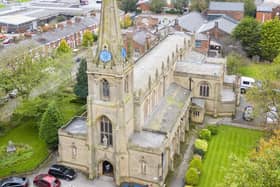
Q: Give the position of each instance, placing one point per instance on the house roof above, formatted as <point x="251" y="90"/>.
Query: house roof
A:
<point x="266" y="7"/>
<point x="225" y="24"/>
<point x="140" y="37"/>
<point x="191" y="21"/>
<point x="228" y="6"/>
<point x="142" y="2"/>
<point x="16" y="19"/>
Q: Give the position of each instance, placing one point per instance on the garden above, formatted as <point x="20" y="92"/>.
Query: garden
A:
<point x="25" y="130"/>
<point x="213" y="151"/>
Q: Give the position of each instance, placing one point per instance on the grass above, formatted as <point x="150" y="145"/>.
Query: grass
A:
<point x="27" y="133"/>
<point x="229" y="140"/>
<point x="255" y="70"/>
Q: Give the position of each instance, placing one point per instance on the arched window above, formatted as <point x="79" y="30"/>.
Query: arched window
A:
<point x="204" y="90"/>
<point x="106" y="137"/>
<point x="126" y="84"/>
<point x="105" y="89"/>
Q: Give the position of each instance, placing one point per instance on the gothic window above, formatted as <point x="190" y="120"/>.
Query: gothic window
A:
<point x="204" y="90"/>
<point x="106" y="137"/>
<point x="105" y="89"/>
<point x="126" y="84"/>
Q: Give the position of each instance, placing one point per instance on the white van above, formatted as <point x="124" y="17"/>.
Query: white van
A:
<point x="245" y="83"/>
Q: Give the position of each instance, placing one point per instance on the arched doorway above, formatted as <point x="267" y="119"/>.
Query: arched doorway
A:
<point x="107" y="169"/>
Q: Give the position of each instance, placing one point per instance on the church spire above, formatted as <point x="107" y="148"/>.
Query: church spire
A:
<point x="110" y="45"/>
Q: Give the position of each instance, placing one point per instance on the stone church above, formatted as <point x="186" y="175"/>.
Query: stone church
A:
<point x="138" y="112"/>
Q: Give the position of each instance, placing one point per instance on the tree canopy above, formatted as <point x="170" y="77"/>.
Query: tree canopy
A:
<point x="81" y="87"/>
<point x="248" y="32"/>
<point x="87" y="38"/>
<point x="156" y="6"/>
<point x="52" y="120"/>
<point x="128" y="5"/>
<point x="63" y="47"/>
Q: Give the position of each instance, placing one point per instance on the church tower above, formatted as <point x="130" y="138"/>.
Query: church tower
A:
<point x="110" y="99"/>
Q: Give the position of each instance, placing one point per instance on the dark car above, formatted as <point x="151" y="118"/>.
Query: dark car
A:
<point x="62" y="172"/>
<point x="14" y="182"/>
<point x="46" y="180"/>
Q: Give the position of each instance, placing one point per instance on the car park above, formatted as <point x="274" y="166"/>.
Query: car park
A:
<point x="46" y="180"/>
<point x="14" y="182"/>
<point x="248" y="113"/>
<point x="62" y="172"/>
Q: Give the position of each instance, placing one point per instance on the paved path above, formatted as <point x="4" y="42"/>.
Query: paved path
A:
<point x="178" y="179"/>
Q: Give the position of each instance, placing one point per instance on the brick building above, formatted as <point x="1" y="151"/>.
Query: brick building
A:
<point x="234" y="10"/>
<point x="267" y="11"/>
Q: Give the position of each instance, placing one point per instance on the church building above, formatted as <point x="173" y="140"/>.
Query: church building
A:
<point x="138" y="112"/>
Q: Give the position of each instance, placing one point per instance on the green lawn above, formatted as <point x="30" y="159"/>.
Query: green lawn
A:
<point x="27" y="133"/>
<point x="255" y="70"/>
<point x="230" y="140"/>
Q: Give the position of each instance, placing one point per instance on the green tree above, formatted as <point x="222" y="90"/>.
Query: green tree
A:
<point x="128" y="5"/>
<point x="250" y="8"/>
<point x="205" y="134"/>
<point x="63" y="47"/>
<point x="81" y="87"/>
<point x="179" y="4"/>
<point x="126" y="21"/>
<point x="87" y="38"/>
<point x="234" y="62"/>
<point x="196" y="163"/>
<point x="199" y="5"/>
<point x="156" y="6"/>
<point x="248" y="32"/>
<point x="192" y="176"/>
<point x="52" y="120"/>
<point x="270" y="39"/>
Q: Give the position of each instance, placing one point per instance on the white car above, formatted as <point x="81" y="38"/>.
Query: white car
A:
<point x="246" y="82"/>
<point x="272" y="116"/>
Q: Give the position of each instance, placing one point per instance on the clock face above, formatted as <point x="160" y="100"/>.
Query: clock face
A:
<point x="124" y="52"/>
<point x="105" y="56"/>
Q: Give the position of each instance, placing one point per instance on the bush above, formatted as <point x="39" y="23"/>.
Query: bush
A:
<point x="213" y="129"/>
<point x="192" y="176"/>
<point x="196" y="163"/>
<point x="205" y="134"/>
<point x="201" y="144"/>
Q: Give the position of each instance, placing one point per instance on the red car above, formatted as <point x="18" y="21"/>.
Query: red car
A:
<point x="46" y="180"/>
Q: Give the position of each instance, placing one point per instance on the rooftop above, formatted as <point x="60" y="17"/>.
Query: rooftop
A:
<point x="227" y="95"/>
<point x="229" y="79"/>
<point x="224" y="23"/>
<point x="267" y="6"/>
<point x="191" y="21"/>
<point x="148" y="64"/>
<point x="147" y="139"/>
<point x="167" y="112"/>
<point x="16" y="19"/>
<point x="200" y="69"/>
<point x="194" y="57"/>
<point x="228" y="6"/>
<point x="78" y="125"/>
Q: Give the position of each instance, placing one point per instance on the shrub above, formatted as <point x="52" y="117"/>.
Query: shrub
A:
<point x="201" y="144"/>
<point x="196" y="163"/>
<point x="192" y="176"/>
<point x="213" y="129"/>
<point x="205" y="134"/>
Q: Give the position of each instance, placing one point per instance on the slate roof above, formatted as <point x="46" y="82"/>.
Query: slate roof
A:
<point x="166" y="114"/>
<point x="147" y="139"/>
<point x="191" y="21"/>
<point x="227" y="6"/>
<point x="78" y="125"/>
<point x="266" y="7"/>
<point x="225" y="24"/>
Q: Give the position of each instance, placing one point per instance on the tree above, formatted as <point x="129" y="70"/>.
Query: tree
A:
<point x="63" y="47"/>
<point x="81" y="87"/>
<point x="128" y="5"/>
<point x="234" y="62"/>
<point x="179" y="4"/>
<point x="192" y="176"/>
<point x="156" y="6"/>
<point x="248" y="32"/>
<point x="126" y="22"/>
<point x="87" y="38"/>
<point x="52" y="120"/>
<point x="199" y="5"/>
<point x="260" y="169"/>
<point x="250" y="8"/>
<point x="270" y="39"/>
<point x="205" y="134"/>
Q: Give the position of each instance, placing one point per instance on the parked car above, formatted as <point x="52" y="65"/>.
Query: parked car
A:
<point x="62" y="172"/>
<point x="272" y="115"/>
<point x="248" y="113"/>
<point x="7" y="41"/>
<point x="13" y="93"/>
<point x="14" y="182"/>
<point x="46" y="180"/>
<point x="246" y="82"/>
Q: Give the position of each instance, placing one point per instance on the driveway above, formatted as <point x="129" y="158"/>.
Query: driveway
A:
<point x="81" y="180"/>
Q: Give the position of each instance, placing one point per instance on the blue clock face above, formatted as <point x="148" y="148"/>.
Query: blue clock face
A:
<point x="105" y="56"/>
<point x="124" y="52"/>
